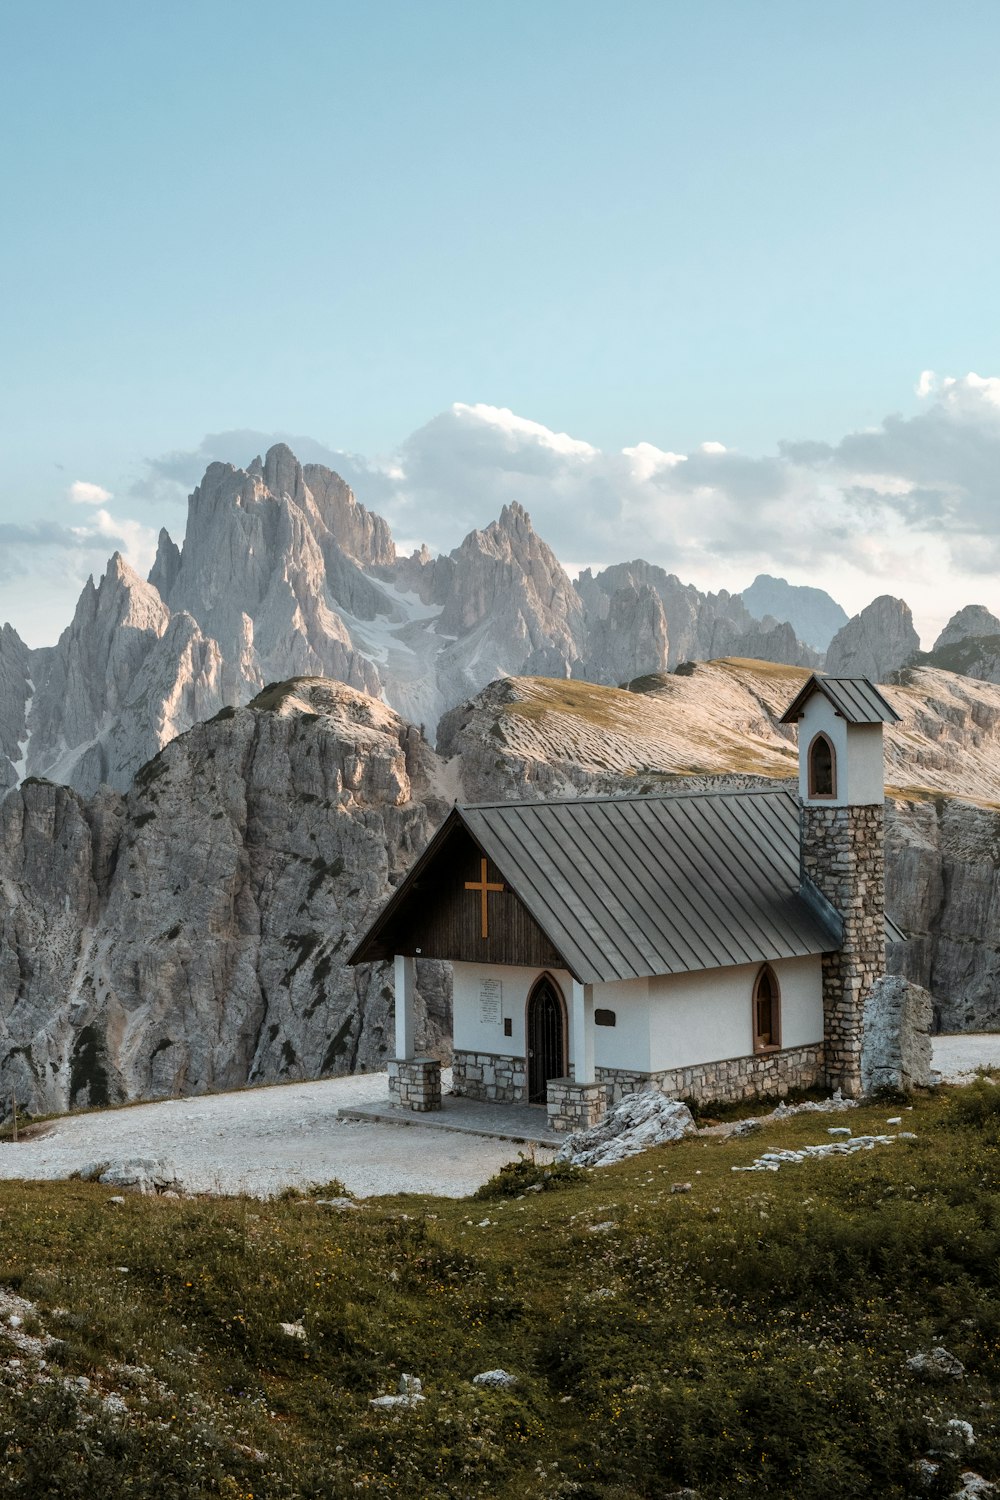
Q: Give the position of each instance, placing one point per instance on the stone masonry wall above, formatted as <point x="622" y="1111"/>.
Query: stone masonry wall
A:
<point x="575" y="1106"/>
<point x="843" y="853"/>
<point x="415" y="1082"/>
<point x="729" y="1081"/>
<point x="490" y="1076"/>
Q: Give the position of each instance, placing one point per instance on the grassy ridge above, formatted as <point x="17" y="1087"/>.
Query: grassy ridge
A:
<point x="747" y="1337"/>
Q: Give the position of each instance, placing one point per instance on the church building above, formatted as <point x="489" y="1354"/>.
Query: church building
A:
<point x="714" y="944"/>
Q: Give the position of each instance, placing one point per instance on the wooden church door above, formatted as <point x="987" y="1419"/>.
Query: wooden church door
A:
<point x="546" y="1039"/>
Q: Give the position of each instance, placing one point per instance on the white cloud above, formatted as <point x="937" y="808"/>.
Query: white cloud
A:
<point x="909" y="507"/>
<point x="136" y="542"/>
<point x="522" y="430"/>
<point x="81" y="492"/>
<point x="648" y="460"/>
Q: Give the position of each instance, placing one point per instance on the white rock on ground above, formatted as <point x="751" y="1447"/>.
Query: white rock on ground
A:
<point x="495" y="1380"/>
<point x="937" y="1364"/>
<point x="639" y="1121"/>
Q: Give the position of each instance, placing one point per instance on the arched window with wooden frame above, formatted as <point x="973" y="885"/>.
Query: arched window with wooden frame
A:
<point x="822" y="767"/>
<point x="766" y="1011"/>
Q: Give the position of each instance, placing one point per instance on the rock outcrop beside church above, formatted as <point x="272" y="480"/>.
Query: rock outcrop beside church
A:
<point x="896" y="1050"/>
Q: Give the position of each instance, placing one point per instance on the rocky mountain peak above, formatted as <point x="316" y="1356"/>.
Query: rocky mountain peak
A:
<point x="508" y="563"/>
<point x="83" y="685"/>
<point x="970" y="623"/>
<point x="813" y="615"/>
<point x="15" y="692"/>
<point x="631" y="640"/>
<point x="283" y="473"/>
<point x="359" y="533"/>
<point x="874" y="643"/>
<point x="166" y="565"/>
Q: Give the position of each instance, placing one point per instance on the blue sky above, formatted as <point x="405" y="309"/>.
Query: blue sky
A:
<point x="641" y="223"/>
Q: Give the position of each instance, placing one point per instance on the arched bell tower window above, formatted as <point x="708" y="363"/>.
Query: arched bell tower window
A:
<point x="822" y="768"/>
<point x="766" y="1011"/>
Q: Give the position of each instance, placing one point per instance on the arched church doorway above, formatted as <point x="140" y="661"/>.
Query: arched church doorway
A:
<point x="546" y="1036"/>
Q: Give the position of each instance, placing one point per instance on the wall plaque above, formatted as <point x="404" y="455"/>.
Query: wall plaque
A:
<point x="490" y="1001"/>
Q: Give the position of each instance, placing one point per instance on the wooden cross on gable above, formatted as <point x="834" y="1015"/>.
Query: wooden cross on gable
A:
<point x="484" y="886"/>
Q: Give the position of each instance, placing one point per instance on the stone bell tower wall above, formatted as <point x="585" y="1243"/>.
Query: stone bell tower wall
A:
<point x="843" y="853"/>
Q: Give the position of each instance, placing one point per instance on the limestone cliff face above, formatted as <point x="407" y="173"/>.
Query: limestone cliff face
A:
<point x="630" y="640"/>
<point x="943" y="888"/>
<point x="507" y="596"/>
<point x="191" y="935"/>
<point x="875" y="643"/>
<point x="83" y="685"/>
<point x="698" y="627"/>
<point x="15" y="695"/>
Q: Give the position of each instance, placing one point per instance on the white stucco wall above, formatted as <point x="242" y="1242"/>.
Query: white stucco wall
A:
<point x="860" y="763"/>
<point x="470" y="1033"/>
<point x="664" y="1022"/>
<point x="626" y="1043"/>
<point x="707" y="1017"/>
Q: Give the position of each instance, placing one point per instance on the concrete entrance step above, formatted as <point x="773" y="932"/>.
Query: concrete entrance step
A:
<point x="523" y="1124"/>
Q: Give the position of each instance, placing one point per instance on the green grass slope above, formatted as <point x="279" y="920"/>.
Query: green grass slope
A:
<point x="748" y="1337"/>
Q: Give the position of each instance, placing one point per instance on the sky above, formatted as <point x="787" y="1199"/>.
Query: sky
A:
<point x="711" y="283"/>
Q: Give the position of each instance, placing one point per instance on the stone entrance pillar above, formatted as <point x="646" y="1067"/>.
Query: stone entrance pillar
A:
<point x="575" y="1106"/>
<point x="414" y="1082"/>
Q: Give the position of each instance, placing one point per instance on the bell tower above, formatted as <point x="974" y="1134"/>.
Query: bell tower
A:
<point x="842" y="795"/>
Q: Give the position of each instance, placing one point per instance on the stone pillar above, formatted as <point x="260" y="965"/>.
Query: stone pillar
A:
<point x="406" y="991"/>
<point x="582" y="1033"/>
<point x="575" y="1106"/>
<point x="415" y="1082"/>
<point x="843" y="854"/>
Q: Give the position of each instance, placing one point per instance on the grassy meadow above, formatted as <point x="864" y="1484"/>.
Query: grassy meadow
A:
<point x="747" y="1337"/>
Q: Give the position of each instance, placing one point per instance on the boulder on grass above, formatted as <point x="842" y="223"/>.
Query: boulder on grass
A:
<point x="640" y="1120"/>
<point x="896" y="1043"/>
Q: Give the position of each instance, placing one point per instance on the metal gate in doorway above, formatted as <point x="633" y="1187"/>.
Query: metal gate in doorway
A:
<point x="546" y="1032"/>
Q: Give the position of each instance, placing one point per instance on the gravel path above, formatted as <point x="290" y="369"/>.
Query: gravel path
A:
<point x="959" y="1058"/>
<point x="261" y="1140"/>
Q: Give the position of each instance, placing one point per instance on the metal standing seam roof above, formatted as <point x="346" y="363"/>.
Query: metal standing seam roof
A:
<point x="855" y="698"/>
<point x="626" y="888"/>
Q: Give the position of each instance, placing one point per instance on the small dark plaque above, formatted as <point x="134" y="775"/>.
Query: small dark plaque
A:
<point x="604" y="1018"/>
<point x="508" y="1026"/>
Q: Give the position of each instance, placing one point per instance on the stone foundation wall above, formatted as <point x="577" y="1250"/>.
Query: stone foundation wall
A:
<point x="415" y="1082"/>
<point x="729" y="1081"/>
<point x="575" y="1106"/>
<point x="490" y="1076"/>
<point x="843" y="853"/>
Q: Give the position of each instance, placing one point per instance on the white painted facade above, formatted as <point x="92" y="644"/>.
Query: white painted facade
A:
<point x="860" y="772"/>
<point x="476" y="1026"/>
<point x="668" y="1021"/>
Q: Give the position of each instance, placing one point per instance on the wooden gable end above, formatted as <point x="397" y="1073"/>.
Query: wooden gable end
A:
<point x="440" y="914"/>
